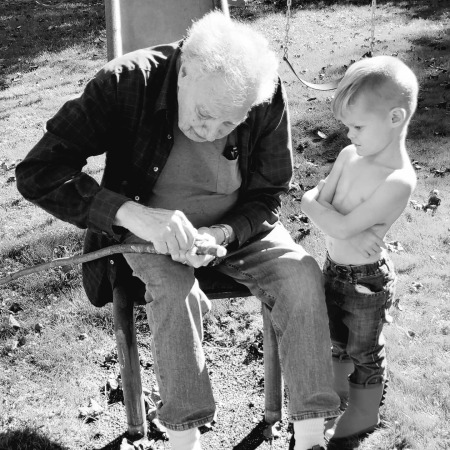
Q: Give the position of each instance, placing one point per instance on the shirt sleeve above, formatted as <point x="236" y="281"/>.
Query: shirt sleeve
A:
<point x="269" y="173"/>
<point x="51" y="175"/>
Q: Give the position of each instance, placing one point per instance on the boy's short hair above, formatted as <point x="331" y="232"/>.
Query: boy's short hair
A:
<point x="220" y="45"/>
<point x="386" y="78"/>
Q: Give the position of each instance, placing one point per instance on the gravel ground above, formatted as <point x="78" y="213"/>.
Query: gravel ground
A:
<point x="233" y="348"/>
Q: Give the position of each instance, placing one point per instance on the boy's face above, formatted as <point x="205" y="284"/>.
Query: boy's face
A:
<point x="199" y="117"/>
<point x="369" y="126"/>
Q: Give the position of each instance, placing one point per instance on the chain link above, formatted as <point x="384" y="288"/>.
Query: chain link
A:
<point x="286" y="37"/>
<point x="372" y="28"/>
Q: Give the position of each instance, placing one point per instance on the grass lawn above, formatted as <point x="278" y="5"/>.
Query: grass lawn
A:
<point x="58" y="352"/>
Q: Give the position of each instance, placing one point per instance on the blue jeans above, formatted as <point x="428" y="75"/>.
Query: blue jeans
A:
<point x="358" y="299"/>
<point x="279" y="273"/>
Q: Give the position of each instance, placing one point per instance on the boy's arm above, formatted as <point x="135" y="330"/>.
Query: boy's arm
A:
<point x="391" y="197"/>
<point x="326" y="189"/>
<point x="326" y="194"/>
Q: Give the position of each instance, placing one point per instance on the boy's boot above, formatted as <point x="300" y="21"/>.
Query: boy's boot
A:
<point x="342" y="369"/>
<point x="361" y="416"/>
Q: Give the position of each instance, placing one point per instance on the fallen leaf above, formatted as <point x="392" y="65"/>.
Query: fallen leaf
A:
<point x="113" y="383"/>
<point x="394" y="247"/>
<point x="13" y="323"/>
<point x="321" y="135"/>
<point x="90" y="412"/>
<point x="397" y="304"/>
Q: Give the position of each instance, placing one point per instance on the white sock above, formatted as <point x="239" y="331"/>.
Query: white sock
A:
<point x="308" y="433"/>
<point x="185" y="440"/>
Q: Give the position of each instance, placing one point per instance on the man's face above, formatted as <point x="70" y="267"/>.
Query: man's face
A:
<point x="199" y="116"/>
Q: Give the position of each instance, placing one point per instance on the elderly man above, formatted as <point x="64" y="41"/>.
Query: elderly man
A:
<point x="198" y="149"/>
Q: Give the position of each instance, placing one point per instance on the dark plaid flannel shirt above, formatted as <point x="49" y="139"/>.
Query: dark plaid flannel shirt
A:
<point x="127" y="111"/>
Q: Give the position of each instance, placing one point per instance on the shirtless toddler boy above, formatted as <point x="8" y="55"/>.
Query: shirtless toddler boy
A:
<point x="366" y="191"/>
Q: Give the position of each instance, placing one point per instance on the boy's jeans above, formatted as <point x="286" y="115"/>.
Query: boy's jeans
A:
<point x="278" y="272"/>
<point x="358" y="299"/>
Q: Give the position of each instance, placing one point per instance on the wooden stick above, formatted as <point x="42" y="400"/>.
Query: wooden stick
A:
<point x="214" y="250"/>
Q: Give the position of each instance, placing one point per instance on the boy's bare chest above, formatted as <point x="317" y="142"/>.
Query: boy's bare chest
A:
<point x="357" y="183"/>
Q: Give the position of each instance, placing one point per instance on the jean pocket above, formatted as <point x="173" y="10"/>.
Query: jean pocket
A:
<point x="380" y="283"/>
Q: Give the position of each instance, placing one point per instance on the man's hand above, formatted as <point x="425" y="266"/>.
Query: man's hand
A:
<point x="169" y="231"/>
<point x="367" y="243"/>
<point x="206" y="238"/>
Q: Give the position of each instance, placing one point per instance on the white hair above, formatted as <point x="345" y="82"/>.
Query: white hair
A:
<point x="219" y="45"/>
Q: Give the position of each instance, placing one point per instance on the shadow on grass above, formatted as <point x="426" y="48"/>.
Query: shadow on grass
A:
<point x="27" y="439"/>
<point x="29" y="28"/>
<point x="254" y="439"/>
<point x="424" y="9"/>
<point x="431" y="117"/>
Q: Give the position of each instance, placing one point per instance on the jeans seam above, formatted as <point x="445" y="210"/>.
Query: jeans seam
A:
<point x="187" y="425"/>
<point x="249" y="277"/>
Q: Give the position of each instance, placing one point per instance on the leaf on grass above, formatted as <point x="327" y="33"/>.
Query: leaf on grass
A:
<point x="113" y="383"/>
<point x="397" y="304"/>
<point x="416" y="165"/>
<point x="294" y="187"/>
<point x="90" y="412"/>
<point x="416" y="286"/>
<point x="416" y="205"/>
<point x="321" y="134"/>
<point x="13" y="323"/>
<point x="395" y="247"/>
<point x="298" y="218"/>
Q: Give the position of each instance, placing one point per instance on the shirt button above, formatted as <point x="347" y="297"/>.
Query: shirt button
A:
<point x="155" y="169"/>
<point x="137" y="198"/>
<point x="169" y="136"/>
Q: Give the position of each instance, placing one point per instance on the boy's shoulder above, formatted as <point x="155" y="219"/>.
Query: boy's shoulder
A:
<point x="345" y="155"/>
<point x="404" y="177"/>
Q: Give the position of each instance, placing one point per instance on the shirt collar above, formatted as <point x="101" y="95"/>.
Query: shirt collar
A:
<point x="167" y="99"/>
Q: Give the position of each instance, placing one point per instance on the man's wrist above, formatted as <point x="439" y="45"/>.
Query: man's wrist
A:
<point x="227" y="232"/>
<point x="122" y="214"/>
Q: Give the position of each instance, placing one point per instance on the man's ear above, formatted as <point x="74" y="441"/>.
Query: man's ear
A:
<point x="398" y="117"/>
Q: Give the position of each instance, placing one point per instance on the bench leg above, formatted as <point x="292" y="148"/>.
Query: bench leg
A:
<point x="273" y="381"/>
<point x="127" y="351"/>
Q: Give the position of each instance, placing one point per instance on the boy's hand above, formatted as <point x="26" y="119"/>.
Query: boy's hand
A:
<point x="367" y="243"/>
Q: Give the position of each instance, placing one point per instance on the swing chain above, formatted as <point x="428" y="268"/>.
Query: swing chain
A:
<point x="372" y="28"/>
<point x="286" y="37"/>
